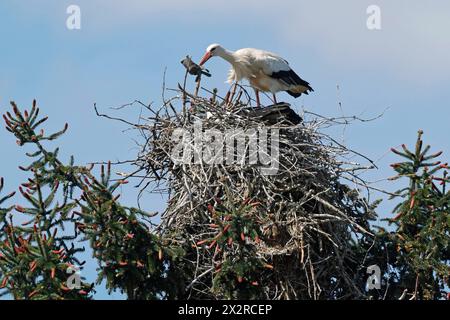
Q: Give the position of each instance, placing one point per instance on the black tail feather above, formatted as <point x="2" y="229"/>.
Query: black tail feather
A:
<point x="294" y="94"/>
<point x="292" y="79"/>
<point x="298" y="94"/>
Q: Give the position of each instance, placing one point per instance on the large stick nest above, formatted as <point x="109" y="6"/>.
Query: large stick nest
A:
<point x="308" y="218"/>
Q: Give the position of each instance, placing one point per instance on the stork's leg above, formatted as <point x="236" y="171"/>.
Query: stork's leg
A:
<point x="233" y="92"/>
<point x="274" y="98"/>
<point x="258" y="102"/>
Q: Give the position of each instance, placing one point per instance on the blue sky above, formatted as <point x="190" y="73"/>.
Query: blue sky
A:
<point x="123" y="48"/>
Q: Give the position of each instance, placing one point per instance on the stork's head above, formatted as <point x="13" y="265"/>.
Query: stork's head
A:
<point x="213" y="50"/>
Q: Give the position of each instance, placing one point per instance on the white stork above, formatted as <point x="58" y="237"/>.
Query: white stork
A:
<point x="264" y="70"/>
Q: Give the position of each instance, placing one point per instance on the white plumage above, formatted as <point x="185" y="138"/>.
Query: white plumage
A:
<point x="265" y="70"/>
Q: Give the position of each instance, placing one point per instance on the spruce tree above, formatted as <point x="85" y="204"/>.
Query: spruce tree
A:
<point x="415" y="254"/>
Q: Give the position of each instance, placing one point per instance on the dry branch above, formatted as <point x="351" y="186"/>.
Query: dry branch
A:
<point x="307" y="216"/>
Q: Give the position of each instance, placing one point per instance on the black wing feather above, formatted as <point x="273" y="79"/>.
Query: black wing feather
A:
<point x="291" y="78"/>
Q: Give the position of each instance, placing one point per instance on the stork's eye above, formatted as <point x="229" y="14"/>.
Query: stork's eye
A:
<point x="212" y="49"/>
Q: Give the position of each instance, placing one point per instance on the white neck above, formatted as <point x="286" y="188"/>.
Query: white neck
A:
<point x="228" y="56"/>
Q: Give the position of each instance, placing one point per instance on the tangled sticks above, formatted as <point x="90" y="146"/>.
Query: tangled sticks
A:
<point x="282" y="228"/>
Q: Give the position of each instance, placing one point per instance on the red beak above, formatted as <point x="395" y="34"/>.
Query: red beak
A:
<point x="205" y="58"/>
